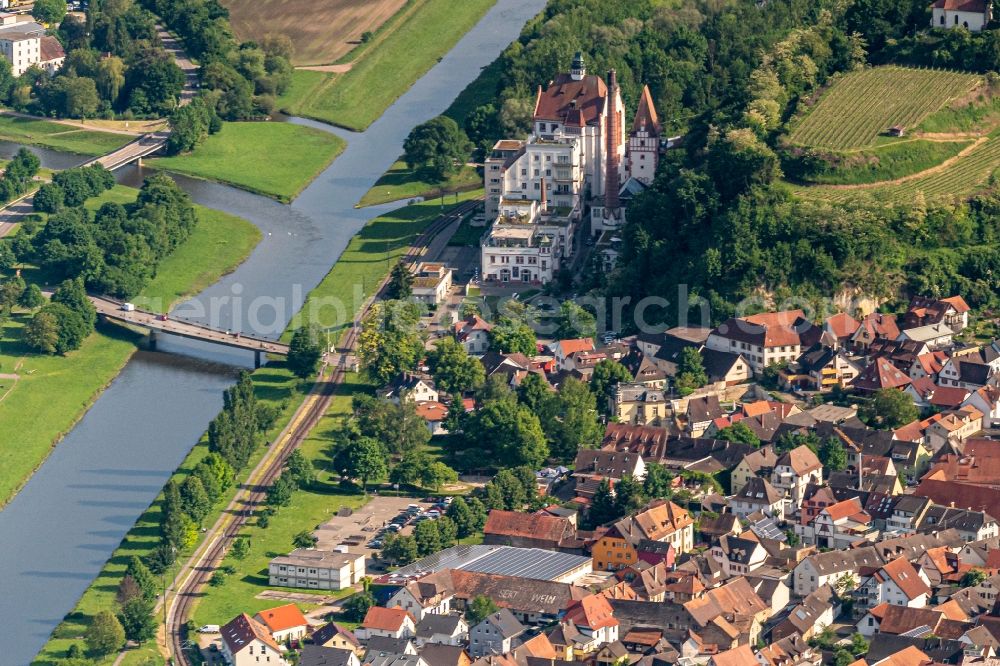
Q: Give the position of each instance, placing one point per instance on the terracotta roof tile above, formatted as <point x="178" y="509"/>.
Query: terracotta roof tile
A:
<point x="282" y="617"/>
<point x="386" y="619"/>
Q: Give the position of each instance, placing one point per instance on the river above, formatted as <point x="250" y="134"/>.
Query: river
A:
<point x="61" y="528"/>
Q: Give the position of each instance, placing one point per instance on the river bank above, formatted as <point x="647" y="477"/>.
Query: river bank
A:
<point x="52" y="393"/>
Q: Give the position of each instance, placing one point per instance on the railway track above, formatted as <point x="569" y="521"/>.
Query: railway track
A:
<point x="206" y="559"/>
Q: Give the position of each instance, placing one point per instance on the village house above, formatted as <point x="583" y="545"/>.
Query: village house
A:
<point x="766" y="338"/>
<point x="637" y="404"/>
<point x="386" y="622"/>
<point x="973" y="15"/>
<point x="317" y="655"/>
<point x="411" y="387"/>
<point x="332" y="635"/>
<point x="841" y="327"/>
<point x="729" y="615"/>
<point x="701" y="412"/>
<point x="827" y="568"/>
<point x="757" y="463"/>
<point x="663" y="522"/>
<point x="820" y="368"/>
<point x="594" y="619"/>
<point x="495" y="634"/>
<point x="245" y="641"/>
<point x="838" y="526"/>
<point x="935" y="336"/>
<point x="793" y="471"/>
<point x="739" y="555"/>
<point x="896" y="583"/>
<point x="758" y="495"/>
<point x="594" y="466"/>
<point x="817" y="610"/>
<point x="473" y="333"/>
<point x="431" y="283"/>
<point x="953" y="312"/>
<point x="24" y="44"/>
<point x="878" y="375"/>
<point x="563" y="351"/>
<point x="285" y="623"/>
<point x="873" y="327"/>
<point x="424" y="597"/>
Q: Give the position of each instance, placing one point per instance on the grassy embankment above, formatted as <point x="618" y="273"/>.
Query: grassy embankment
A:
<point x="53" y="392"/>
<point x="274" y="159"/>
<point x="383" y="72"/>
<point x="887" y="162"/>
<point x="60" y="137"/>
<point x="401" y="182"/>
<point x="365" y="261"/>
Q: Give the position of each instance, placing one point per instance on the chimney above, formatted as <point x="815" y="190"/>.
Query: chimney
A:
<point x="611" y="201"/>
<point x="545" y="198"/>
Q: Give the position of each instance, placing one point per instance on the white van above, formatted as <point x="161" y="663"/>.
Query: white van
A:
<point x="128" y="307"/>
<point x="209" y="629"/>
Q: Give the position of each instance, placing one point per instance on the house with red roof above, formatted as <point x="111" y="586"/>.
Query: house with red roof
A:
<point x="841" y="326"/>
<point x="897" y="583"/>
<point x="245" y="641"/>
<point x="563" y="350"/>
<point x="953" y="311"/>
<point x="874" y="327"/>
<point x="595" y="620"/>
<point x="473" y="333"/>
<point x="838" y="526"/>
<point x="973" y="15"/>
<point x="880" y="374"/>
<point x="387" y="622"/>
<point x="530" y="530"/>
<point x="285" y="623"/>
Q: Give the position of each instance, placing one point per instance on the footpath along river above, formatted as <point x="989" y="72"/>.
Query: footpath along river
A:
<point x="61" y="528"/>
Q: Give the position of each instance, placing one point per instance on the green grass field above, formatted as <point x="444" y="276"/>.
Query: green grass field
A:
<point x="366" y="261"/>
<point x="401" y="182"/>
<point x="859" y="107"/>
<point x="273" y="159"/>
<point x="53" y="392"/>
<point x="274" y="384"/>
<point x="978" y="115"/>
<point x="382" y="73"/>
<point x="60" y="137"/>
<point x="889" y="161"/>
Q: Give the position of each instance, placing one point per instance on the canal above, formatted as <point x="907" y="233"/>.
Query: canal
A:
<point x="60" y="529"/>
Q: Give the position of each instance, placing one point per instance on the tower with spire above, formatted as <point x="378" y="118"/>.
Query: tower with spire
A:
<point x="643" y="153"/>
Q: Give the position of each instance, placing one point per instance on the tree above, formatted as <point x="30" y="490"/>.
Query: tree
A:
<point x="72" y="328"/>
<point x="859" y="646"/>
<point x="739" y="432"/>
<point x="576" y="425"/>
<point x="607" y="373"/>
<point x="507" y="434"/>
<point x="972" y="578"/>
<point x="480" y="608"/>
<point x="832" y="455"/>
<point x="690" y="371"/>
<point x="447" y="531"/>
<point x="437" y="474"/>
<point x="304" y="539"/>
<point x="49" y="198"/>
<point x="42" y="333"/>
<point x="304" y="351"/>
<point x="575" y="322"/>
<point x="31" y="298"/>
<point x="362" y="458"/>
<point x="462" y="516"/>
<point x="194" y="499"/>
<point x="73" y="294"/>
<point x="400" y="550"/>
<point x="454" y="371"/>
<point x="603" y="507"/>
<point x="301" y="469"/>
<point x="110" y="78"/>
<point x="427" y="537"/>
<point x="628" y="496"/>
<point x="241" y="548"/>
<point x="127" y="589"/>
<point x="389" y="343"/>
<point x="137" y="619"/>
<point x="280" y="492"/>
<point x="105" y="634"/>
<point x="400" y="285"/>
<point x="512" y="336"/>
<point x="397" y="426"/>
<point x="142" y="576"/>
<point x="658" y="483"/>
<point x="357" y="605"/>
<point x="438" y="147"/>
<point x="843" y="657"/>
<point x="49" y="11"/>
<point x="889" y="409"/>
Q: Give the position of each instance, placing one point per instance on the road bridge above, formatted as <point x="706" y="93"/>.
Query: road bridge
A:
<point x="112" y="310"/>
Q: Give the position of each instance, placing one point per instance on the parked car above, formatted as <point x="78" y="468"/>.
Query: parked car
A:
<point x="208" y="629"/>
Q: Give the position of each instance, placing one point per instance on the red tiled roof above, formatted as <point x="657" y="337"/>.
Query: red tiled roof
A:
<point x="576" y="345"/>
<point x="958" y="302"/>
<point x="594" y="612"/>
<point x="282" y="617"/>
<point x="906" y="578"/>
<point x="880" y="374"/>
<point x="769" y="329"/>
<point x="842" y="325"/>
<point x="645" y="115"/>
<point x="572" y="102"/>
<point x="526" y="525"/>
<point x="386" y="619"/>
<point x="429" y="410"/>
<point x="50" y="49"/>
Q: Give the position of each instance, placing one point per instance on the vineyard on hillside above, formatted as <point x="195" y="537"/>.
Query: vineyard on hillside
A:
<point x="965" y="176"/>
<point x="862" y="105"/>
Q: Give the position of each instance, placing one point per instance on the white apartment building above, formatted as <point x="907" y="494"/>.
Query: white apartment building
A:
<point x="317" y="569"/>
<point x="521" y="246"/>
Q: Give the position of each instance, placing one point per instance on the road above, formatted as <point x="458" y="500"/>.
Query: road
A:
<point x="198" y="570"/>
